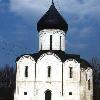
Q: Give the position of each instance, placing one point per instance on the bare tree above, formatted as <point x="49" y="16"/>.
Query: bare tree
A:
<point x="95" y="63"/>
<point x="7" y="82"/>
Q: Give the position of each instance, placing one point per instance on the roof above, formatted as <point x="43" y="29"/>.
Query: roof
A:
<point x="84" y="64"/>
<point x="52" y="19"/>
<point x="62" y="55"/>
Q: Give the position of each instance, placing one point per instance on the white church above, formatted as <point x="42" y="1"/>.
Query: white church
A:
<point x="52" y="74"/>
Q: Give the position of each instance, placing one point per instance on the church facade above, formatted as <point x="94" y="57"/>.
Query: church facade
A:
<point x="52" y="74"/>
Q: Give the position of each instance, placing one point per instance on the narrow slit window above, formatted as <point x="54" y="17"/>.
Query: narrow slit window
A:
<point x="49" y="71"/>
<point x="41" y="46"/>
<point x="89" y="84"/>
<point x="80" y="76"/>
<point x="86" y="77"/>
<point x="70" y="68"/>
<point x="26" y="71"/>
<point x="50" y="42"/>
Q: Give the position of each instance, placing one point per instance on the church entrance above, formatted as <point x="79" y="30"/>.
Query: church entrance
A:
<point x="48" y="95"/>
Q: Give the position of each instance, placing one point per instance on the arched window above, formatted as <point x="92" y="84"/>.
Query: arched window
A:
<point x="41" y="46"/>
<point x="50" y="42"/>
<point x="89" y="84"/>
<point x="49" y="71"/>
<point x="48" y="95"/>
<point x="70" y="72"/>
<point x="26" y="71"/>
<point x="86" y="76"/>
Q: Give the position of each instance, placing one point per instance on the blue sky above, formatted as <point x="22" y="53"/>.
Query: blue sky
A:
<point x="18" y="34"/>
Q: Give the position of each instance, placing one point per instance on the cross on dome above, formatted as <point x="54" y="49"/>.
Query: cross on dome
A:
<point x="52" y="2"/>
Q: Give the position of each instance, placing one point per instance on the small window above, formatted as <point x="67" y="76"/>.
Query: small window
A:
<point x="26" y="71"/>
<point x="86" y="76"/>
<point x="50" y="42"/>
<point x="70" y="68"/>
<point x="25" y="93"/>
<point x="41" y="46"/>
<point x="70" y="93"/>
<point x="89" y="84"/>
<point x="49" y="71"/>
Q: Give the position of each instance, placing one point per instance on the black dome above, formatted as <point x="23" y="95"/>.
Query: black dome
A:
<point x="52" y="20"/>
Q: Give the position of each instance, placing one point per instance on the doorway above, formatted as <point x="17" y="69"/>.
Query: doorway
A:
<point x="47" y="95"/>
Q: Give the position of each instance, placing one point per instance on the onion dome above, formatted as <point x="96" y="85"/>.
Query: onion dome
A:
<point x="52" y="19"/>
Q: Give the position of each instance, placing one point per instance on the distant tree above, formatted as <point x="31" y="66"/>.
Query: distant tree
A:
<point x="7" y="82"/>
<point x="95" y="63"/>
<point x="7" y="76"/>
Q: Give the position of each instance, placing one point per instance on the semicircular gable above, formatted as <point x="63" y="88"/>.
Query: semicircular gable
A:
<point x="71" y="69"/>
<point x="47" y="66"/>
<point x="71" y="60"/>
<point x="25" y="57"/>
<point x="25" y="68"/>
<point x="49" y="54"/>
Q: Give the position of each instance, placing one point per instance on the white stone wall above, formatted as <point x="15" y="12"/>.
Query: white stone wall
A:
<point x="54" y="82"/>
<point x="75" y="70"/>
<point x="44" y="39"/>
<point x="83" y="84"/>
<point x="89" y="92"/>
<point x="26" y="60"/>
<point x="71" y="84"/>
<point x="85" y="92"/>
<point x="42" y="68"/>
<point x="60" y="84"/>
<point x="24" y="87"/>
<point x="25" y="84"/>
